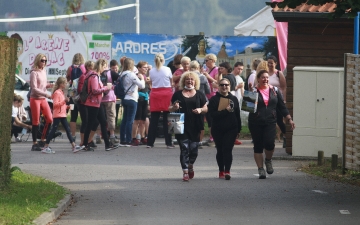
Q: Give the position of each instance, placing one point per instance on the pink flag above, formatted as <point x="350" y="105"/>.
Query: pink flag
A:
<point x="282" y="39"/>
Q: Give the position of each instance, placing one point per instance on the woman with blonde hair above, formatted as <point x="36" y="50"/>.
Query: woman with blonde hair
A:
<point x="160" y="96"/>
<point x="192" y="102"/>
<point x="38" y="95"/>
<point x="185" y="66"/>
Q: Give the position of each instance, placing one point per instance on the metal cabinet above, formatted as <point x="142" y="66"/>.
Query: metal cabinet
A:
<point x="318" y="110"/>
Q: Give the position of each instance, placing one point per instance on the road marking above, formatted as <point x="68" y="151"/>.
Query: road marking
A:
<point x="344" y="212"/>
<point x="320" y="192"/>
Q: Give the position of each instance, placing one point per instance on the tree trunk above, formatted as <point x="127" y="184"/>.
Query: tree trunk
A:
<point x="8" y="47"/>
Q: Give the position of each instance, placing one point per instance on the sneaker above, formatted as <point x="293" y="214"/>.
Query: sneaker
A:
<point x="237" y="142"/>
<point x="36" y="147"/>
<point x="221" y="175"/>
<point x="41" y="144"/>
<point x="135" y="142"/>
<point x="87" y="148"/>
<point x="227" y="176"/>
<point x="191" y="173"/>
<point x="269" y="167"/>
<point x="205" y="143"/>
<point x="149" y="146"/>
<point x="170" y="146"/>
<point x="48" y="150"/>
<point x="124" y="144"/>
<point x="112" y="147"/>
<point x="92" y="144"/>
<point x="114" y="141"/>
<point x="211" y="140"/>
<point x="77" y="148"/>
<point x="143" y="141"/>
<point x="19" y="139"/>
<point x="98" y="140"/>
<point x="262" y="174"/>
<point x="186" y="177"/>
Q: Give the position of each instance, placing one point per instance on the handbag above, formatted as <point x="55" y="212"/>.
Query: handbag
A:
<point x="176" y="123"/>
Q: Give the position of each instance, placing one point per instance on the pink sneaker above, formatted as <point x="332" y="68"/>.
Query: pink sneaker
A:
<point x="185" y="177"/>
<point x="221" y="175"/>
<point x="191" y="173"/>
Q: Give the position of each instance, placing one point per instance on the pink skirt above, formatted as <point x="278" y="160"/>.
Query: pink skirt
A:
<point x="160" y="99"/>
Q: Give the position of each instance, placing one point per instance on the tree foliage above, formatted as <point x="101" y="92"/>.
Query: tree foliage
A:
<point x="344" y="8"/>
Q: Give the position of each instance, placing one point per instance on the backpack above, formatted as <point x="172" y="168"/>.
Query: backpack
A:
<point x="75" y="73"/>
<point x="120" y="88"/>
<point x="84" y="91"/>
<point x="104" y="79"/>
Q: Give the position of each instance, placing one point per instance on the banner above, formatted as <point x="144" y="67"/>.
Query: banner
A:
<point x="59" y="48"/>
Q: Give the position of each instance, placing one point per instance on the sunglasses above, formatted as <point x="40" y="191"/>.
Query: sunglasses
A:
<point x="43" y="60"/>
<point x="224" y="85"/>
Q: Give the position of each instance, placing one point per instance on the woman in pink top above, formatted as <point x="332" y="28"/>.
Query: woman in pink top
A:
<point x="38" y="95"/>
<point x="59" y="110"/>
<point x="96" y="90"/>
<point x="185" y="63"/>
<point x="211" y="73"/>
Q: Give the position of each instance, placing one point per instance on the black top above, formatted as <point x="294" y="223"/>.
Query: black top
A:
<point x="232" y="80"/>
<point x="267" y="114"/>
<point x="194" y="123"/>
<point x="224" y="120"/>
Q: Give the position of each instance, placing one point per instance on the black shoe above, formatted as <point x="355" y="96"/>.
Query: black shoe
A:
<point x="87" y="149"/>
<point x="36" y="147"/>
<point x="92" y="144"/>
<point x="41" y="144"/>
<point x="112" y="147"/>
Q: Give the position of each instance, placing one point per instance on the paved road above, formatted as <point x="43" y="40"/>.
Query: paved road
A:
<point x="143" y="186"/>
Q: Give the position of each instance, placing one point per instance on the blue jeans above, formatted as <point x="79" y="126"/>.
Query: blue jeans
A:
<point x="130" y="107"/>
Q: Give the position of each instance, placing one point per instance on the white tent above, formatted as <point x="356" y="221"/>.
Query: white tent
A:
<point x="260" y="24"/>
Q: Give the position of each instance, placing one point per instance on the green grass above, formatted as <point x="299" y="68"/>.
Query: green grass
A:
<point x="325" y="171"/>
<point x="27" y="198"/>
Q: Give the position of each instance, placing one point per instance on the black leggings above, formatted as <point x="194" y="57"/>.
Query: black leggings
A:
<point x="54" y="127"/>
<point x="154" y="120"/>
<point x="74" y="113"/>
<point x="99" y="113"/>
<point x="263" y="136"/>
<point x="84" y="118"/>
<point x="224" y="141"/>
<point x="280" y="121"/>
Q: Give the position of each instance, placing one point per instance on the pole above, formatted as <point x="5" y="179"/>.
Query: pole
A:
<point x="138" y="16"/>
<point x="356" y="33"/>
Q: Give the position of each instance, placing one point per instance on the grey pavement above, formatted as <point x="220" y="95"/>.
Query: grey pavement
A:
<point x="137" y="185"/>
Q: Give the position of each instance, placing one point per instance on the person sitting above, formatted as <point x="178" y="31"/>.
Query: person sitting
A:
<point x="16" y="124"/>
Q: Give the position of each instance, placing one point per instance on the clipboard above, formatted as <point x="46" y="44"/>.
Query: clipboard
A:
<point x="223" y="103"/>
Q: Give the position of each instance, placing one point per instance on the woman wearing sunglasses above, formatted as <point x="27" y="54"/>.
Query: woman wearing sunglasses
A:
<point x="226" y="126"/>
<point x="38" y="95"/>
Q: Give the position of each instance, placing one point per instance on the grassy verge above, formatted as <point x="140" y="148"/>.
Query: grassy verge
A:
<point x="27" y="198"/>
<point x="325" y="171"/>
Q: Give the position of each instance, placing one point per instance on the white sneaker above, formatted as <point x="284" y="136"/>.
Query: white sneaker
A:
<point x="18" y="139"/>
<point x="48" y="150"/>
<point x="77" y="148"/>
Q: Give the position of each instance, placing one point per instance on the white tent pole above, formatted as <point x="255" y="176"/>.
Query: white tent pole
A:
<point x="137" y="16"/>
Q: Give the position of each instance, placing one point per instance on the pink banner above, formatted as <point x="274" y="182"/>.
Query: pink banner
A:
<point x="282" y="39"/>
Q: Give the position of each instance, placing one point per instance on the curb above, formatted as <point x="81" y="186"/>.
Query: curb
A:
<point x="54" y="213"/>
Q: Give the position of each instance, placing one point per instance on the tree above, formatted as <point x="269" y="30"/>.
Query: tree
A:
<point x="8" y="48"/>
<point x="344" y="8"/>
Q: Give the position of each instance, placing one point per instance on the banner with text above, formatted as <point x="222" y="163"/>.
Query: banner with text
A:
<point x="59" y="48"/>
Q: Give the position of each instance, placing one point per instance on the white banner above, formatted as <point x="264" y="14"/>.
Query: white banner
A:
<point x="59" y="48"/>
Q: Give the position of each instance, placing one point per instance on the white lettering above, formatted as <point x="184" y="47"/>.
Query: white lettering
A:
<point x="128" y="47"/>
<point x="119" y="47"/>
<point x="145" y="48"/>
<point x="154" y="48"/>
<point x="136" y="48"/>
<point x="162" y="48"/>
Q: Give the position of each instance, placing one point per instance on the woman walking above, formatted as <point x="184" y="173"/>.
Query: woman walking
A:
<point x="192" y="102"/>
<point x="226" y="126"/>
<point x="262" y="123"/>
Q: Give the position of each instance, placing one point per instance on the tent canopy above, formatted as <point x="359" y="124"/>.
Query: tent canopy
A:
<point x="260" y="24"/>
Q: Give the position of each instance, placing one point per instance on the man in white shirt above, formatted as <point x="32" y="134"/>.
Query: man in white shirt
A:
<point x="239" y="88"/>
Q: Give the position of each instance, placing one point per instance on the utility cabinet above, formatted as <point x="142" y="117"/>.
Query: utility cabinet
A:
<point x="318" y="110"/>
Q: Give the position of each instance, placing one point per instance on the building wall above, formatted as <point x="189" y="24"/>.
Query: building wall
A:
<point x="315" y="42"/>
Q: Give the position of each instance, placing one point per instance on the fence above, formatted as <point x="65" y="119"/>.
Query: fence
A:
<point x="351" y="157"/>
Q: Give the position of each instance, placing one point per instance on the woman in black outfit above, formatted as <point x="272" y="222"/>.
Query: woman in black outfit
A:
<point x="226" y="126"/>
<point x="262" y="123"/>
<point x="190" y="101"/>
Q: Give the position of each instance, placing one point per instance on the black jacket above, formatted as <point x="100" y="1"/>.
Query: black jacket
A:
<point x="265" y="115"/>
<point x="224" y="120"/>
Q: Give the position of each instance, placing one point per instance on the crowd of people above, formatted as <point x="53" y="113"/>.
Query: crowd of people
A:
<point x="202" y="93"/>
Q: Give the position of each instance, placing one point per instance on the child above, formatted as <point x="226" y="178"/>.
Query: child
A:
<point x="59" y="115"/>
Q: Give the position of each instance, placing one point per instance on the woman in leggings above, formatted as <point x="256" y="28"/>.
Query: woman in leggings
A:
<point x="38" y="84"/>
<point x="95" y="90"/>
